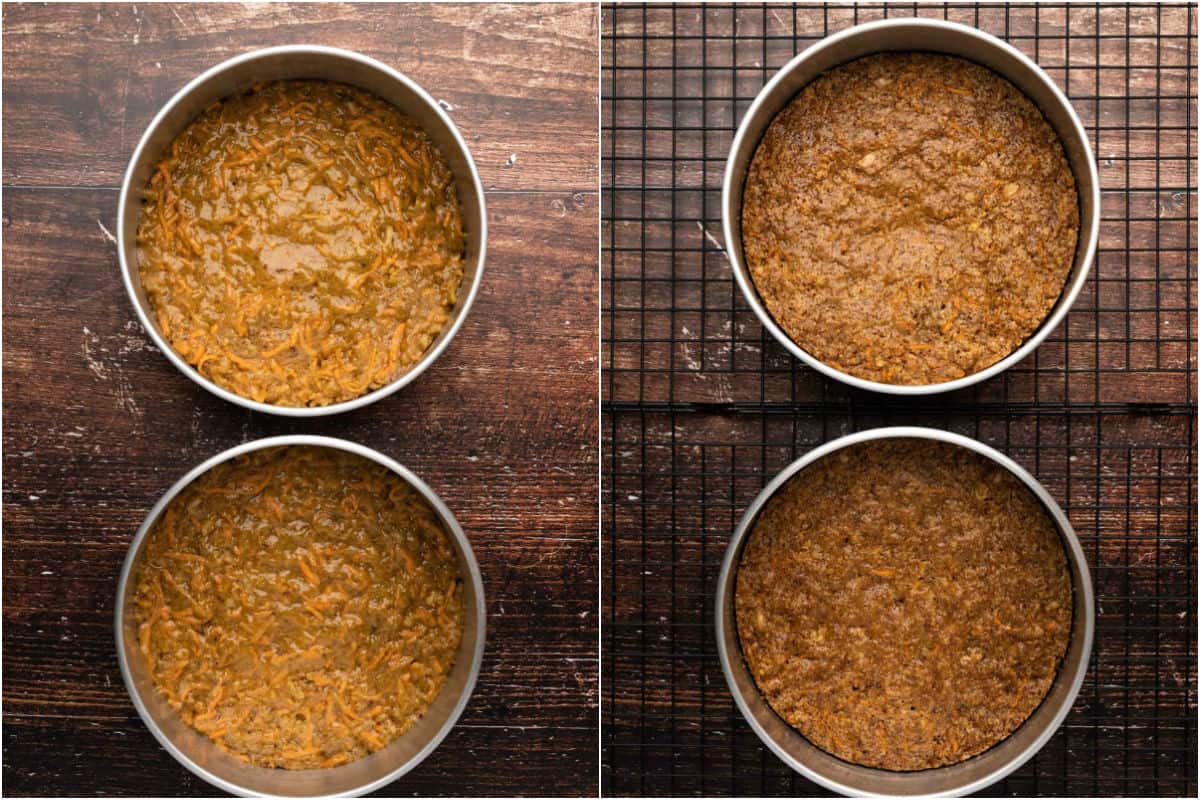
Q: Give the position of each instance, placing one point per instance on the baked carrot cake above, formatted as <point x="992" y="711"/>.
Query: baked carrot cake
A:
<point x="910" y="218"/>
<point x="301" y="243"/>
<point x="904" y="604"/>
<point x="300" y="606"/>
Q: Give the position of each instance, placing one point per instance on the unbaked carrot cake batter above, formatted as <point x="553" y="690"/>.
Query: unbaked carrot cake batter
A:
<point x="301" y="606"/>
<point x="301" y="243"/>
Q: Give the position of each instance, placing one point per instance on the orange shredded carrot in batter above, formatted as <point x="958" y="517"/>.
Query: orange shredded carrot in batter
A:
<point x="320" y="156"/>
<point x="308" y="573"/>
<point x="269" y="666"/>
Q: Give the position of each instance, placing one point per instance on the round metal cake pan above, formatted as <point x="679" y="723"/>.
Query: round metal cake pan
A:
<point x="201" y="756"/>
<point x="927" y="35"/>
<point x="958" y="779"/>
<point x="296" y="62"/>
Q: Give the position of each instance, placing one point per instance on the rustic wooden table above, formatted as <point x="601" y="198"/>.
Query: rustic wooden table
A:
<point x="97" y="423"/>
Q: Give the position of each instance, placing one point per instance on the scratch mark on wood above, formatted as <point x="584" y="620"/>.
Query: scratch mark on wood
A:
<point x="93" y="350"/>
<point x="107" y="235"/>
<point x="182" y="24"/>
<point x="124" y="110"/>
<point x="97" y="367"/>
<point x="712" y="239"/>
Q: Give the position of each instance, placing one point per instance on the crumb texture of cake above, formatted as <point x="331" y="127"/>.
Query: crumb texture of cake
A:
<point x="904" y="604"/>
<point x="910" y="218"/>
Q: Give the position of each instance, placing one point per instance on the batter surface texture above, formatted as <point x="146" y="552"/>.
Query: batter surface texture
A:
<point x="300" y="606"/>
<point x="904" y="604"/>
<point x="302" y="243"/>
<point x="910" y="218"/>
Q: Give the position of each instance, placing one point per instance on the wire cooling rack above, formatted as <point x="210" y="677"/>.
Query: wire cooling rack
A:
<point x="701" y="407"/>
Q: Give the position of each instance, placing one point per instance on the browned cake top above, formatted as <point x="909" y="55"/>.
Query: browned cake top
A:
<point x="904" y="604"/>
<point x="910" y="218"/>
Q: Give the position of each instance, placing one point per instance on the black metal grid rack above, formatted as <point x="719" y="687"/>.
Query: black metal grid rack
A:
<point x="701" y="407"/>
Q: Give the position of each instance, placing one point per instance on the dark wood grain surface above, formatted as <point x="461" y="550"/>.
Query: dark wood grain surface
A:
<point x="97" y="423"/>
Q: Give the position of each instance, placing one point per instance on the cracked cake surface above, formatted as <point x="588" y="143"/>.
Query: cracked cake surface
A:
<point x="910" y="218"/>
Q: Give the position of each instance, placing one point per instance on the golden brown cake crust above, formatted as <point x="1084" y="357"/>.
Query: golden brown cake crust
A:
<point x="904" y="604"/>
<point x="910" y="218"/>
